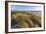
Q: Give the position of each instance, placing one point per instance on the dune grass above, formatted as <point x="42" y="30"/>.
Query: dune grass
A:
<point x="25" y="19"/>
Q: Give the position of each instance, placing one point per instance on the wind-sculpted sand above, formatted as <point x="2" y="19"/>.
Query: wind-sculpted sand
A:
<point x="25" y="20"/>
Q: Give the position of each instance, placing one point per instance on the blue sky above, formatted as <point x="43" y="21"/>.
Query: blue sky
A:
<point x="25" y="8"/>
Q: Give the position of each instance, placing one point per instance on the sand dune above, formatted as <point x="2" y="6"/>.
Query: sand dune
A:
<point x="26" y="19"/>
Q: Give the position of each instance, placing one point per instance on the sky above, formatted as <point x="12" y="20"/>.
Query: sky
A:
<point x="25" y="8"/>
